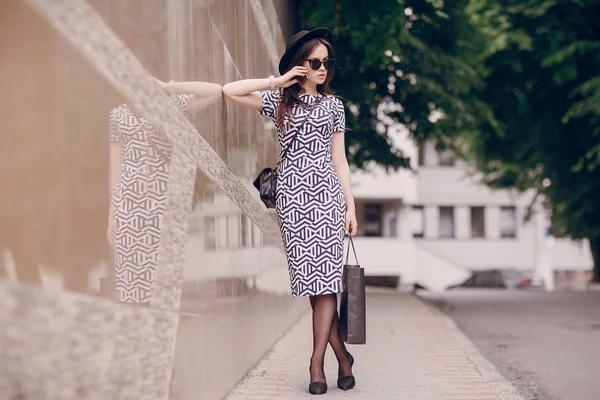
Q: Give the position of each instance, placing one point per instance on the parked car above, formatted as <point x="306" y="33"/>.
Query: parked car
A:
<point x="496" y="278"/>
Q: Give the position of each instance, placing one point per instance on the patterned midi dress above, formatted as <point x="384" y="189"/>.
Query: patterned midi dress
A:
<point x="138" y="200"/>
<point x="310" y="202"/>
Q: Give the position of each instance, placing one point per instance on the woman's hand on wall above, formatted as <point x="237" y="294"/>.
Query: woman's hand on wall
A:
<point x="163" y="85"/>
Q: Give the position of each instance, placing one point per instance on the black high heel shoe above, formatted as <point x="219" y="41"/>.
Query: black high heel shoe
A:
<point x="347" y="382"/>
<point x="317" y="387"/>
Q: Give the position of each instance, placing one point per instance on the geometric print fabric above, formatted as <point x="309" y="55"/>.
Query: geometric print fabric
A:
<point x="310" y="202"/>
<point x="138" y="200"/>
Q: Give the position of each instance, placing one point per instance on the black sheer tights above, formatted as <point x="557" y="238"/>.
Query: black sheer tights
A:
<point x="325" y="330"/>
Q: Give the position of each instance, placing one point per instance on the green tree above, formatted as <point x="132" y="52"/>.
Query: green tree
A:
<point x="541" y="81"/>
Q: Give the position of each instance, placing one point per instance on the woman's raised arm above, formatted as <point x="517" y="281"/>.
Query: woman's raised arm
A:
<point x="247" y="91"/>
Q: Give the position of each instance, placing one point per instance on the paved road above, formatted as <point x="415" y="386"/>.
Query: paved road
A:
<point x="546" y="344"/>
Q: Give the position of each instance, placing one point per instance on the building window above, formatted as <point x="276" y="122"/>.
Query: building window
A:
<point x="256" y="235"/>
<point x="445" y="157"/>
<point x="234" y="238"/>
<point x="477" y="222"/>
<point x="446" y="227"/>
<point x="418" y="217"/>
<point x="421" y="154"/>
<point x="373" y="217"/>
<point x="244" y="230"/>
<point x="210" y="234"/>
<point x="393" y="226"/>
<point x="508" y="222"/>
<point x="222" y="231"/>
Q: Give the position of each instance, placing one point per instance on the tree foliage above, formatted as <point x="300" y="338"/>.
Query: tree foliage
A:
<point x="542" y="84"/>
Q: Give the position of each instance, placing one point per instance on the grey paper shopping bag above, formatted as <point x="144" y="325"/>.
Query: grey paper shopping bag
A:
<point x="353" y="307"/>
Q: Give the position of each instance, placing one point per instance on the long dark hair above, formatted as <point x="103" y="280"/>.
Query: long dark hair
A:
<point x="291" y="95"/>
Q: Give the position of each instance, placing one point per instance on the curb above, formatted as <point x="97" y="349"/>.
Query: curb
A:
<point x="502" y="386"/>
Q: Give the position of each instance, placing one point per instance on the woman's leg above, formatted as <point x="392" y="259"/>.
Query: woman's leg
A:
<point x="338" y="346"/>
<point x="323" y="310"/>
<point x="325" y="330"/>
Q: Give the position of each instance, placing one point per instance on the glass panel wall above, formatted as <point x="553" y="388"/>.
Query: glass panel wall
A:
<point x="136" y="257"/>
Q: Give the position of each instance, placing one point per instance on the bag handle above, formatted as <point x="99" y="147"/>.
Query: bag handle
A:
<point x="351" y="243"/>
<point x="310" y="110"/>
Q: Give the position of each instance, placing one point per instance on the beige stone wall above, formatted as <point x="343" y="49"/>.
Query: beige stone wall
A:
<point x="64" y="336"/>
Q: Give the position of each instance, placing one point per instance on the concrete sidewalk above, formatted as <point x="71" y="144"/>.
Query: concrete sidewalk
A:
<point x="412" y="352"/>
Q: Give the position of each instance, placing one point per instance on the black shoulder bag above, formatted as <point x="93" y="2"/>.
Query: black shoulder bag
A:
<point x="266" y="181"/>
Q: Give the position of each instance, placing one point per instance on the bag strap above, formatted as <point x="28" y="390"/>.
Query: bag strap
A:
<point x="310" y="110"/>
<point x="351" y="243"/>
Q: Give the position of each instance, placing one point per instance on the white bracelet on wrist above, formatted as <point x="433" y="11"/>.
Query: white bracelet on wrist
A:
<point x="272" y="82"/>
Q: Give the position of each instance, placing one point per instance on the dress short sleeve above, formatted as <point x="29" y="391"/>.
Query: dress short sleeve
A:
<point x="182" y="100"/>
<point x="113" y="127"/>
<point x="339" y="120"/>
<point x="270" y="102"/>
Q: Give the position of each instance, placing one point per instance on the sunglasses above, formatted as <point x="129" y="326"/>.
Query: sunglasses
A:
<point x="316" y="64"/>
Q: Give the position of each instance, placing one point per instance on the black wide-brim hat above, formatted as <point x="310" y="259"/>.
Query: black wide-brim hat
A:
<point x="298" y="40"/>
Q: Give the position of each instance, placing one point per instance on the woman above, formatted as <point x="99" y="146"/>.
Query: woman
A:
<point x="140" y="162"/>
<point x="314" y="201"/>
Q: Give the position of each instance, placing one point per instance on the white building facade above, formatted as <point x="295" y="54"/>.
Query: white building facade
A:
<point x="434" y="226"/>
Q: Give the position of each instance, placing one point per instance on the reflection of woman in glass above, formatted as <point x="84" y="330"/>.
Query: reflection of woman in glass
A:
<point x="139" y="175"/>
<point x="314" y="201"/>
